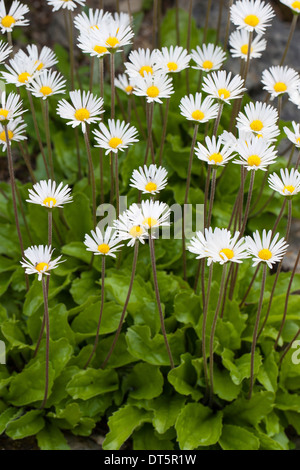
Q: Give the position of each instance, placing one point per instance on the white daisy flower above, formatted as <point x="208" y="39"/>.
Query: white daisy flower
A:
<point x="239" y="43"/>
<point x="173" y="60"/>
<point x="129" y="227"/>
<point x="208" y="57"/>
<point x="154" y="87"/>
<point x="20" y="72"/>
<point x="294" y="5"/>
<point x="106" y="244"/>
<point x="117" y="137"/>
<point x="193" y="109"/>
<point x="93" y="20"/>
<point x="294" y="137"/>
<point x="15" y="129"/>
<point x="69" y="4"/>
<point x="294" y="97"/>
<point x="141" y="62"/>
<point x="44" y="59"/>
<point x="214" y="154"/>
<point x="37" y="260"/>
<point x="47" y="194"/>
<point x="14" y="17"/>
<point x="288" y="184"/>
<point x="150" y="180"/>
<point x="46" y="84"/>
<point x="198" y="244"/>
<point x="279" y="80"/>
<point x="221" y="247"/>
<point x="259" y="118"/>
<point x="124" y="83"/>
<point x="264" y="249"/>
<point x="255" y="154"/>
<point x="5" y="51"/>
<point x="252" y="15"/>
<point x="113" y="35"/>
<point x="85" y="109"/>
<point x="123" y="19"/>
<point x="221" y="86"/>
<point x="154" y="214"/>
<point x="90" y="44"/>
<point x="11" y="106"/>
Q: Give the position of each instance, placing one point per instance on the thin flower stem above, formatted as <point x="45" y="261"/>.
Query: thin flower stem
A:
<point x="9" y="38"/>
<point x="271" y="299"/>
<point x="292" y="31"/>
<point x="225" y="290"/>
<point x="254" y="340"/>
<point x="212" y="195"/>
<point x="204" y="324"/>
<point x="23" y="214"/>
<point x="164" y="132"/>
<point x="117" y="184"/>
<point x="206" y="20"/>
<point x="163" y="329"/>
<point x="27" y="162"/>
<point x="246" y="70"/>
<point x="249" y="287"/>
<point x="71" y="48"/>
<point x="212" y="335"/>
<point x="100" y="316"/>
<point x="45" y="111"/>
<point x="278" y="220"/>
<point x="221" y="5"/>
<point x="133" y="271"/>
<point x="252" y="178"/>
<point x="217" y="122"/>
<point x="101" y="75"/>
<point x="188" y="46"/>
<point x="177" y="23"/>
<point x="291" y="156"/>
<point x="207" y="184"/>
<point x="47" y="323"/>
<point x="120" y="104"/>
<point x="279" y="106"/>
<point x="112" y="177"/>
<point x="154" y="24"/>
<point x="149" y="115"/>
<point x="92" y="175"/>
<point x="264" y="206"/>
<point x="263" y="184"/>
<point x="92" y="66"/>
<point x="227" y="26"/>
<point x="78" y="153"/>
<point x="112" y="79"/>
<point x="140" y="125"/>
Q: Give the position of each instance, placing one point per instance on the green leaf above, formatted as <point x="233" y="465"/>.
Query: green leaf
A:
<point x="268" y="373"/>
<point x="145" y="439"/>
<point x="198" y="426"/>
<point x="85" y="324"/>
<point x="240" y="368"/>
<point x="224" y="387"/>
<point x="27" y="425"/>
<point x="79" y="225"/>
<point x="184" y="378"/>
<point x="51" y="438"/>
<point x="187" y="308"/>
<point x="11" y="330"/>
<point x="90" y="383"/>
<point x="166" y="411"/>
<point x="245" y="412"/>
<point x="7" y="416"/>
<point x="144" y="382"/>
<point x="237" y="438"/>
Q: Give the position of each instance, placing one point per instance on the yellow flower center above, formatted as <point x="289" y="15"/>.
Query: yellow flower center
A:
<point x="151" y="187"/>
<point x="7" y="21"/>
<point x="23" y="77"/>
<point x="3" y="136"/>
<point x="216" y="158"/>
<point x="112" y="41"/>
<point x="207" y="64"/>
<point x="48" y="200"/>
<point x="115" y="142"/>
<point x="289" y="188"/>
<point x="40" y="66"/>
<point x="104" y="249"/>
<point x="153" y="92"/>
<point x="100" y="49"/>
<point x="251" y="20"/>
<point x="146" y="69"/>
<point x="256" y="125"/>
<point x="244" y="49"/>
<point x="3" y="113"/>
<point x="227" y="252"/>
<point x="280" y="87"/>
<point x="223" y="92"/>
<point x="172" y="66"/>
<point x="254" y="160"/>
<point x="265" y="254"/>
<point x="198" y="115"/>
<point x="136" y="231"/>
<point x="41" y="267"/>
<point x="46" y="90"/>
<point x="150" y="222"/>
<point x="296" y="5"/>
<point x="298" y="141"/>
<point x="82" y="114"/>
<point x="129" y="89"/>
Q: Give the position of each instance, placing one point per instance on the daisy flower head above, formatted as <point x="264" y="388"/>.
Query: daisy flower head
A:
<point x="289" y="183"/>
<point x="239" y="43"/>
<point x="141" y="62"/>
<point x="221" y="247"/>
<point x="209" y="57"/>
<point x="106" y="244"/>
<point x="10" y="106"/>
<point x="252" y="15"/>
<point x="44" y="59"/>
<point x="90" y="44"/>
<point x="113" y="35"/>
<point x="129" y="226"/>
<point x="294" y="5"/>
<point x="293" y="136"/>
<point x="69" y="4"/>
<point x="85" y="109"/>
<point x="154" y="87"/>
<point x="214" y="153"/>
<point x="198" y="245"/>
<point x="48" y="194"/>
<point x="37" y="260"/>
<point x="47" y="84"/>
<point x="260" y="119"/>
<point x="194" y="109"/>
<point x="13" y="17"/>
<point x="150" y="180"/>
<point x="5" y="51"/>
<point x="263" y="249"/>
<point x="15" y="130"/>
<point x="124" y="83"/>
<point x="294" y="97"/>
<point x="123" y="19"/>
<point x="173" y="59"/>
<point x="20" y="71"/>
<point x="155" y="214"/>
<point x="117" y="137"/>
<point x="93" y="20"/>
<point x="255" y="154"/>
<point x="221" y="86"/>
<point x="279" y="80"/>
